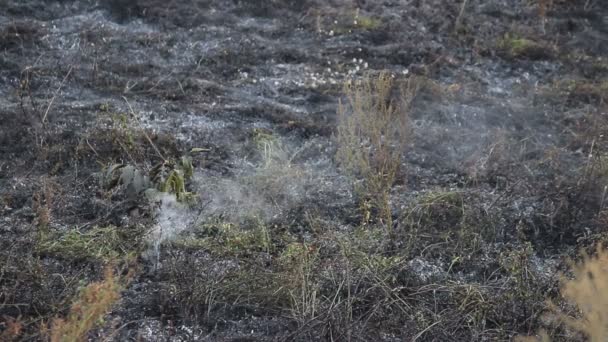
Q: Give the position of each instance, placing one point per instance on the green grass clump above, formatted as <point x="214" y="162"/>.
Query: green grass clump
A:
<point x="367" y="23"/>
<point x="229" y="239"/>
<point x="517" y="47"/>
<point x="97" y="244"/>
<point x="448" y="219"/>
<point x="299" y="280"/>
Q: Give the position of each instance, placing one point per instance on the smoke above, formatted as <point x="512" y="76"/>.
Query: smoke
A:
<point x="172" y="218"/>
<point x="264" y="190"/>
<point x="287" y="175"/>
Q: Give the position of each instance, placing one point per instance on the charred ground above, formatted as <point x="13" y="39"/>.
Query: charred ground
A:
<point x="503" y="179"/>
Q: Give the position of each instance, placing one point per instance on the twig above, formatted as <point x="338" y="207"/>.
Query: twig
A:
<point x="115" y="332"/>
<point x="48" y="108"/>
<point x="460" y="15"/>
<point x="144" y="131"/>
<point x="91" y="147"/>
<point x="425" y="329"/>
<point x="487" y="210"/>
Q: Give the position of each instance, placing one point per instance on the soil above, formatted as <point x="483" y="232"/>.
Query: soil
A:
<point x="502" y="182"/>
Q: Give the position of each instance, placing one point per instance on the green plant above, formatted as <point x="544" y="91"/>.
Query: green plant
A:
<point x="166" y="177"/>
<point x="372" y="134"/>
<point x="516" y="264"/>
<point x="42" y="201"/>
<point x="171" y="177"/>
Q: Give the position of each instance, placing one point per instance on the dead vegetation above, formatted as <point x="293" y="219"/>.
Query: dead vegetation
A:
<point x="87" y="312"/>
<point x="585" y="288"/>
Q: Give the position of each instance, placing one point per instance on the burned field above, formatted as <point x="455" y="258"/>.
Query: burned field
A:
<point x="303" y="170"/>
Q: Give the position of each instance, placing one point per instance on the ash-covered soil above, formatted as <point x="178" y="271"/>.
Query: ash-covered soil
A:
<point x="503" y="179"/>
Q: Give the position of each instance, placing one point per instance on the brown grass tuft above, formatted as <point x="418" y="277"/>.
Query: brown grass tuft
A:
<point x="12" y="329"/>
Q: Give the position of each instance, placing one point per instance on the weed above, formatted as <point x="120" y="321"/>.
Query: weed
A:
<point x="372" y="134"/>
<point x="171" y="178"/>
<point x="431" y="212"/>
<point x="273" y="151"/>
<point x="516" y="264"/>
<point x="123" y="135"/>
<point x="120" y="135"/>
<point x="167" y="177"/>
<point x="42" y="202"/>
<point x="276" y="180"/>
<point x="366" y="286"/>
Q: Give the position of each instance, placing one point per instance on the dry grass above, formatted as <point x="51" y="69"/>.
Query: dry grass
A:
<point x="543" y="7"/>
<point x="87" y="312"/>
<point x="12" y="329"/>
<point x="588" y="290"/>
<point x="42" y="202"/>
<point x="373" y="132"/>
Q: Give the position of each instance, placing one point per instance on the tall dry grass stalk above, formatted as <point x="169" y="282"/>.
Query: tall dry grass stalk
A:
<point x="372" y="135"/>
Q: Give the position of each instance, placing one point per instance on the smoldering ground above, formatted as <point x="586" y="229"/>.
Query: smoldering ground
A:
<point x="502" y="177"/>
